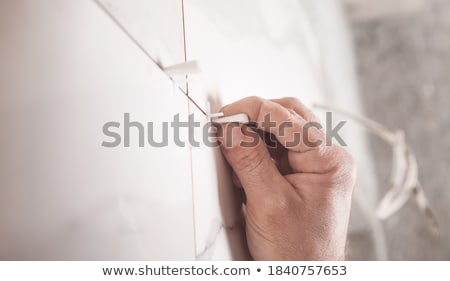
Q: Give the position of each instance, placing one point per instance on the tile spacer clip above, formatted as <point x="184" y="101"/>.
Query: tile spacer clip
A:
<point x="219" y="119"/>
<point x="182" y="69"/>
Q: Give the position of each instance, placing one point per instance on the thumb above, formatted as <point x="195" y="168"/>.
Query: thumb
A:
<point x="249" y="157"/>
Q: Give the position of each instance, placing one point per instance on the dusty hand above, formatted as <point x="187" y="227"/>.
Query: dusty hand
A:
<point x="298" y="195"/>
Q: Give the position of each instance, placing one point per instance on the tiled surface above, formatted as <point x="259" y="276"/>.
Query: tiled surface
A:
<point x="63" y="195"/>
<point x="218" y="224"/>
<point x="82" y="201"/>
<point x="245" y="49"/>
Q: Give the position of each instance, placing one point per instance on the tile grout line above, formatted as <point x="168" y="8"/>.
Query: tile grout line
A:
<point x="144" y="51"/>
<point x="184" y="43"/>
<point x="190" y="148"/>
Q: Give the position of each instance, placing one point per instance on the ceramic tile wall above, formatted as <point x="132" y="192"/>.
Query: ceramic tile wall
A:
<point x="82" y="201"/>
<point x="62" y="195"/>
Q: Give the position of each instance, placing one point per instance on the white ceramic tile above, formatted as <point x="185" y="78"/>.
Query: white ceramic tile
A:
<point x="217" y="204"/>
<point x="69" y="70"/>
<point x="244" y="48"/>
<point x="263" y="48"/>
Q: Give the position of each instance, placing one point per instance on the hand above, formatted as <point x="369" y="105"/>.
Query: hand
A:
<point x="298" y="196"/>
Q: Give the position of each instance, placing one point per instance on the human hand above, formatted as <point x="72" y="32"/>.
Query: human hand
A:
<point x="298" y="195"/>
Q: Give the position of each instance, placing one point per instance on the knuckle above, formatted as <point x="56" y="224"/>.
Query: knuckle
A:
<point x="342" y="166"/>
<point x="246" y="159"/>
<point x="262" y="105"/>
<point x="291" y="100"/>
<point x="332" y="154"/>
<point x="255" y="99"/>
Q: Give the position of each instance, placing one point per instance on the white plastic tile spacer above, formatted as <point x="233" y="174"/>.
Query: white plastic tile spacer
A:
<point x="238" y="118"/>
<point x="209" y="115"/>
<point x="214" y="117"/>
<point x="182" y="69"/>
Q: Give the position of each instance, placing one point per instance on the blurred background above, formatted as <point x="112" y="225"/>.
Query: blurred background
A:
<point x="403" y="63"/>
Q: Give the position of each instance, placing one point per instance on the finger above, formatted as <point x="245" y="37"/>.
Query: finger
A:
<point x="236" y="180"/>
<point x="308" y="185"/>
<point x="297" y="106"/>
<point x="249" y="158"/>
<point x="283" y="164"/>
<point x="291" y="130"/>
<point x="333" y="161"/>
<point x="275" y="148"/>
<point x="314" y="161"/>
